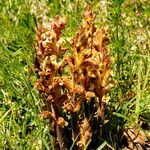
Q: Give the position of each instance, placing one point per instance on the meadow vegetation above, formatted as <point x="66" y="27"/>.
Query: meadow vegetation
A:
<point x="127" y="122"/>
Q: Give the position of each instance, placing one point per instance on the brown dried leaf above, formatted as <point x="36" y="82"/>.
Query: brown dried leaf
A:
<point x="136" y="138"/>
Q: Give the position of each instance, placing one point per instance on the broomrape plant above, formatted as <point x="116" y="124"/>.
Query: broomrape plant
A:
<point x="74" y="87"/>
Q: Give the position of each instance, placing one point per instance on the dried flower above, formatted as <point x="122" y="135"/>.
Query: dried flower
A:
<point x="61" y="122"/>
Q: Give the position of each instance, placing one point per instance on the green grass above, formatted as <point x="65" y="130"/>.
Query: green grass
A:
<point x="20" y="104"/>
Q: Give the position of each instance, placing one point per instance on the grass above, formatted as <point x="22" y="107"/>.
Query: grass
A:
<point x="20" y="104"/>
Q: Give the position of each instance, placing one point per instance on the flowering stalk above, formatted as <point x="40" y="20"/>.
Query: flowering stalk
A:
<point x="49" y="48"/>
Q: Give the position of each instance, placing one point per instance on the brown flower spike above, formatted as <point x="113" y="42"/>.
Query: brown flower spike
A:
<point x="76" y="101"/>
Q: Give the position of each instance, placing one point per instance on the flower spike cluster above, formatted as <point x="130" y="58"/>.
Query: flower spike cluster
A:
<point x="76" y="100"/>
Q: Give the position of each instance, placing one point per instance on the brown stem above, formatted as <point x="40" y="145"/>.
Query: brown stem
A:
<point x="53" y="137"/>
<point x="58" y="129"/>
<point x="60" y="138"/>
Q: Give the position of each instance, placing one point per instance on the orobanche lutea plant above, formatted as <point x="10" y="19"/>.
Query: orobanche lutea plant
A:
<point x="73" y="85"/>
